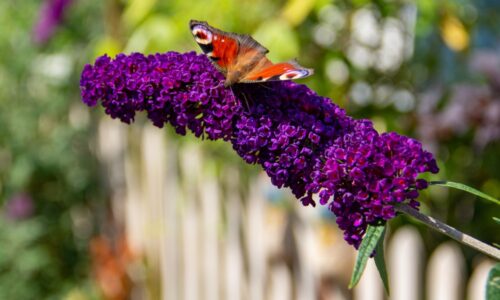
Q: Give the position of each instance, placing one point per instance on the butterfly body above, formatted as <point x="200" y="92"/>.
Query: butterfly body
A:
<point x="241" y="58"/>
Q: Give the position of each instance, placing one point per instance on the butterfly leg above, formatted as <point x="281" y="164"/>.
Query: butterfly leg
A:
<point x="247" y="103"/>
<point x="241" y="95"/>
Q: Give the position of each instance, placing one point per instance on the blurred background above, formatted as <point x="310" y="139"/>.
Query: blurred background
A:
<point x="93" y="209"/>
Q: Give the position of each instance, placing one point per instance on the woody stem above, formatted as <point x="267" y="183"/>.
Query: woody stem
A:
<point x="450" y="231"/>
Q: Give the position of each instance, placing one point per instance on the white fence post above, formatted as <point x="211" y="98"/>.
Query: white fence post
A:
<point x="255" y="237"/>
<point x="476" y="289"/>
<point x="190" y="167"/>
<point x="405" y="264"/>
<point x="370" y="286"/>
<point x="170" y="258"/>
<point x="210" y="207"/>
<point x="152" y="179"/>
<point x="445" y="273"/>
<point x="280" y="285"/>
<point x="233" y="256"/>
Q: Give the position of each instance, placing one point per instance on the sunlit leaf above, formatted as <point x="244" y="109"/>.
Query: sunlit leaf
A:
<point x="466" y="188"/>
<point x="107" y="45"/>
<point x="368" y="245"/>
<point x="137" y="10"/>
<point x="295" y="11"/>
<point x="279" y="37"/>
<point x="380" y="263"/>
<point x="156" y="34"/>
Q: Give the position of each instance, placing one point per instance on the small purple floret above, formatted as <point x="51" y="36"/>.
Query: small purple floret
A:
<point x="301" y="140"/>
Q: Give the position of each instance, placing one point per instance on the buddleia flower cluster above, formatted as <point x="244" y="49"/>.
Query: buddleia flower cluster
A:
<point x="302" y="141"/>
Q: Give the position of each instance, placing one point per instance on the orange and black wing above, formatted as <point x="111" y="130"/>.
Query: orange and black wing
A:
<point x="240" y="57"/>
<point x="224" y="49"/>
<point x="267" y="71"/>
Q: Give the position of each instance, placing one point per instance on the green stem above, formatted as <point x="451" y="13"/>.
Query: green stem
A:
<point x="450" y="231"/>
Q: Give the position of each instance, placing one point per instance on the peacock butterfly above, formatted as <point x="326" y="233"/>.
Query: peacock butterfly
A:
<point x="241" y="58"/>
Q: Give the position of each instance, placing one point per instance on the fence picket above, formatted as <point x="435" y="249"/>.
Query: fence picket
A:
<point x="370" y="286"/>
<point x="233" y="254"/>
<point x="405" y="264"/>
<point x="445" y="273"/>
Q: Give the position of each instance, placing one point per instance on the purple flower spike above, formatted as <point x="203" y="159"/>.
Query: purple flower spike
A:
<point x="301" y="140"/>
<point x="180" y="89"/>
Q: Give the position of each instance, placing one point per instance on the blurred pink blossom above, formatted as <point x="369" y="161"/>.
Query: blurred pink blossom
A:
<point x="468" y="107"/>
<point x="50" y="16"/>
<point x="20" y="206"/>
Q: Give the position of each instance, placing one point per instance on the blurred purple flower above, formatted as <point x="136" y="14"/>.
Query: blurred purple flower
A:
<point x="487" y="63"/>
<point x="302" y="141"/>
<point x="19" y="206"/>
<point x="50" y="16"/>
<point x="467" y="108"/>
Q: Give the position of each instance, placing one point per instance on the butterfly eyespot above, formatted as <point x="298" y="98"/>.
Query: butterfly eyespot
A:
<point x="202" y="35"/>
<point x="294" y="74"/>
<point x="289" y="75"/>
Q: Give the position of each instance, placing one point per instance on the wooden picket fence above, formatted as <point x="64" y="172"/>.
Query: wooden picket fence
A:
<point x="196" y="235"/>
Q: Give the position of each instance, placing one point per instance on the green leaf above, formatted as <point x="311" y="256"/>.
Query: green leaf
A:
<point x="497" y="220"/>
<point x="380" y="263"/>
<point x="466" y="188"/>
<point x="493" y="283"/>
<point x="369" y="243"/>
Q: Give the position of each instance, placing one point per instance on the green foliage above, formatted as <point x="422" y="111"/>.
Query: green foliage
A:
<point x="374" y="236"/>
<point x="468" y="189"/>
<point x="380" y="263"/>
<point x="493" y="283"/>
<point x="44" y="154"/>
<point x="23" y="256"/>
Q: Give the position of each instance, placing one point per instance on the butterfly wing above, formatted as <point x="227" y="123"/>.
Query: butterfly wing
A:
<point x="241" y="58"/>
<point x="225" y="49"/>
<point x="267" y="71"/>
